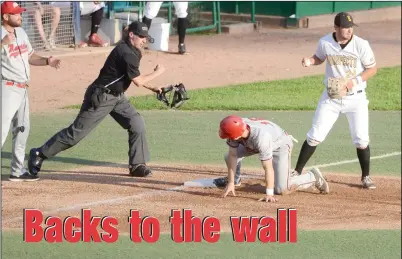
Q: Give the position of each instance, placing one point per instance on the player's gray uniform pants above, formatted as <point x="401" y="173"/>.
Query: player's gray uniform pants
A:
<point x="281" y="162"/>
<point x="15" y="113"/>
<point x="120" y="109"/>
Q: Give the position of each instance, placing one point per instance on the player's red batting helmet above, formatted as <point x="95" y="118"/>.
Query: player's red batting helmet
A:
<point x="231" y="127"/>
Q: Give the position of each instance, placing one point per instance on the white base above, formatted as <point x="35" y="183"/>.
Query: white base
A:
<point x="201" y="183"/>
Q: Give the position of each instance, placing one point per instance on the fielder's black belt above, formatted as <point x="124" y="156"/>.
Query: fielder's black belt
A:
<point x="358" y="92"/>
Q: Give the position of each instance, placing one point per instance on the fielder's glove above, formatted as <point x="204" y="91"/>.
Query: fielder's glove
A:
<point x="337" y="87"/>
<point x="179" y="95"/>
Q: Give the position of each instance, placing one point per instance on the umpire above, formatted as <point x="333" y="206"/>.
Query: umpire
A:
<point x="106" y="96"/>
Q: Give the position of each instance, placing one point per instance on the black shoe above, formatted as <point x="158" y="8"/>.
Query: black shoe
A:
<point x="140" y="170"/>
<point x="223" y="181"/>
<point x="25" y="177"/>
<point x="35" y="161"/>
<point x="182" y="48"/>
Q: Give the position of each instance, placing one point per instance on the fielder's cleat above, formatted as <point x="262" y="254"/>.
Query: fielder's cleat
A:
<point x="294" y="173"/>
<point x="182" y="48"/>
<point x="25" y="177"/>
<point x="320" y="182"/>
<point x="368" y="183"/>
<point x="35" y="161"/>
<point x="140" y="170"/>
<point x="223" y="181"/>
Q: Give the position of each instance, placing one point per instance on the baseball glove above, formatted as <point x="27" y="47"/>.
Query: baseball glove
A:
<point x="179" y="95"/>
<point x="337" y="87"/>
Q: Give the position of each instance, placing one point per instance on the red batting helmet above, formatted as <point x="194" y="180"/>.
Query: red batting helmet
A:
<point x="231" y="127"/>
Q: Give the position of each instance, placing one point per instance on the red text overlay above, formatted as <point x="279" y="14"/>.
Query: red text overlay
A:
<point x="185" y="228"/>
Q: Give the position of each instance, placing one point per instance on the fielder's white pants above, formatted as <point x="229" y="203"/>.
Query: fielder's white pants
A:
<point x="355" y="109"/>
<point x="152" y="9"/>
<point x="281" y="162"/>
<point x="14" y="115"/>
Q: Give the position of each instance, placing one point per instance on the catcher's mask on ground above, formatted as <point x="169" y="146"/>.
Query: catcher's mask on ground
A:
<point x="232" y="127"/>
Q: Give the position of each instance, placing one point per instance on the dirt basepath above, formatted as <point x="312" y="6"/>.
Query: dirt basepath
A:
<point x="108" y="191"/>
<point x="215" y="60"/>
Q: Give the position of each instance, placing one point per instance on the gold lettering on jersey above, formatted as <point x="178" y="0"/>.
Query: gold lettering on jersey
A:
<point x="342" y="61"/>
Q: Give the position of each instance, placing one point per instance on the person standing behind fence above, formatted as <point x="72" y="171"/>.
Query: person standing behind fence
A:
<point x="151" y="11"/>
<point x="16" y="56"/>
<point x="41" y="9"/>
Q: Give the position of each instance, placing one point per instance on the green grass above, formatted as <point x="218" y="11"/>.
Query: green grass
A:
<point x="192" y="137"/>
<point x="311" y="244"/>
<point x="384" y="93"/>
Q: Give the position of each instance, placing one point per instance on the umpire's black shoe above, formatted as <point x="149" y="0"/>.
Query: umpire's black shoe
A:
<point x="140" y="170"/>
<point x="35" y="161"/>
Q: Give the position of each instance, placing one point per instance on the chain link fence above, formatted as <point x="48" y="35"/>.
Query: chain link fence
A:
<point x="49" y="25"/>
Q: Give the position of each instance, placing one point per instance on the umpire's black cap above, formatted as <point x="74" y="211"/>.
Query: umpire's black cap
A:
<point x="344" y="20"/>
<point x="138" y="28"/>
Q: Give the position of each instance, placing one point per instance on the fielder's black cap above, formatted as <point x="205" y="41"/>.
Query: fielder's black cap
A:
<point x="344" y="20"/>
<point x="138" y="28"/>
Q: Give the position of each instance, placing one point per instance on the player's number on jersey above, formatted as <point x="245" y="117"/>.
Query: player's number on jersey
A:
<point x="262" y="121"/>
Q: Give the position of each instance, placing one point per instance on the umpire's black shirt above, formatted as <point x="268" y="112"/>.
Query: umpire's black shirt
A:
<point x="123" y="61"/>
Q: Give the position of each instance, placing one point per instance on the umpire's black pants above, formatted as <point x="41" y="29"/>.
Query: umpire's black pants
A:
<point x="120" y="109"/>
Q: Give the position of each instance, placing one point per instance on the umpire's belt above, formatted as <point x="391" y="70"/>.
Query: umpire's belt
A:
<point x="19" y="85"/>
<point x="108" y="91"/>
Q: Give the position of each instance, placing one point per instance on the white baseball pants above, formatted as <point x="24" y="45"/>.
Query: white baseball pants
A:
<point x="328" y="110"/>
<point x="152" y="9"/>
<point x="282" y="168"/>
<point x="15" y="113"/>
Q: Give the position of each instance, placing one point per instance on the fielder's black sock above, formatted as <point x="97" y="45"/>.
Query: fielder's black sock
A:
<point x="181" y="29"/>
<point x="305" y="153"/>
<point x="364" y="160"/>
<point x="147" y="21"/>
<point x="96" y="19"/>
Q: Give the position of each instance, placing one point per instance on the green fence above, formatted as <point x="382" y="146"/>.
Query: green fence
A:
<point x="299" y="9"/>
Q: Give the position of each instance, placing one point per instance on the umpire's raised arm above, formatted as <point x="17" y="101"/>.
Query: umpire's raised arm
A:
<point x="136" y="38"/>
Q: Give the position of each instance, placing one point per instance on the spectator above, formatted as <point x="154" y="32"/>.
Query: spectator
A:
<point x="42" y="9"/>
<point x="95" y="10"/>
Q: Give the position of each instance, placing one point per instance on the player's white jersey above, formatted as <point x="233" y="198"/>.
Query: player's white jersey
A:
<point x="15" y="56"/>
<point x="265" y="137"/>
<point x="348" y="62"/>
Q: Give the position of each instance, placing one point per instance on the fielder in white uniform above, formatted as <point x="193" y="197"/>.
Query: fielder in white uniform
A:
<point x="252" y="136"/>
<point x="16" y="56"/>
<point x="348" y="56"/>
<point x="151" y="11"/>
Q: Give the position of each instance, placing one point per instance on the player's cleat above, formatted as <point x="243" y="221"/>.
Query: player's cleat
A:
<point x="140" y="170"/>
<point x="182" y="48"/>
<point x="223" y="181"/>
<point x="368" y="183"/>
<point x="96" y="41"/>
<point x="25" y="177"/>
<point x="35" y="161"/>
<point x="321" y="184"/>
<point x="294" y="173"/>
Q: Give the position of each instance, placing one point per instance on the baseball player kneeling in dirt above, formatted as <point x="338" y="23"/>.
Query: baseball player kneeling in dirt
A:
<point x="251" y="136"/>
